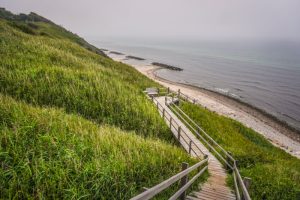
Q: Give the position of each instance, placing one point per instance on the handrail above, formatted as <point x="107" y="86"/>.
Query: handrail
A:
<point x="211" y="147"/>
<point x="236" y="174"/>
<point x="172" y="122"/>
<point x="149" y="193"/>
<point x="188" y="184"/>
<point x="246" y="195"/>
<point x="208" y="136"/>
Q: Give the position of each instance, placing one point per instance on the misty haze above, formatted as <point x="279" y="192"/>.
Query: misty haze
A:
<point x="125" y="99"/>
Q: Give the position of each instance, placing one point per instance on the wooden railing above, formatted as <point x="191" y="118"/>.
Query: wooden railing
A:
<point x="184" y="138"/>
<point x="182" y="176"/>
<point x="225" y="157"/>
<point x="181" y="136"/>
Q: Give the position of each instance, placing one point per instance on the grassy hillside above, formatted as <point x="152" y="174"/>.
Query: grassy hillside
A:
<point x="275" y="174"/>
<point x="56" y="72"/>
<point x="74" y="123"/>
<point x="45" y="153"/>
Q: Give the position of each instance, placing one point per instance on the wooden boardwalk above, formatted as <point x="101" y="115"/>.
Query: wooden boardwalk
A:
<point x="215" y="187"/>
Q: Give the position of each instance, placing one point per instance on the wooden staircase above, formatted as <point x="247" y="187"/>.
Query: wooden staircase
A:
<point x="215" y="187"/>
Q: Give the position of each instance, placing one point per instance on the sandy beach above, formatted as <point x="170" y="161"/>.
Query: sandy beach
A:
<point x="276" y="132"/>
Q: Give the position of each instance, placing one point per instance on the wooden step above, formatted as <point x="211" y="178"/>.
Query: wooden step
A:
<point x="215" y="187"/>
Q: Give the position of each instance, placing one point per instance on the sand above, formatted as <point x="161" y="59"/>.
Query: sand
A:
<point x="277" y="133"/>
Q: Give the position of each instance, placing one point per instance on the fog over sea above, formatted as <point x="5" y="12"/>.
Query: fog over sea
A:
<point x="265" y="74"/>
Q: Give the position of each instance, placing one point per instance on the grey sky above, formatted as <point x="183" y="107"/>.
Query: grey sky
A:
<point x="170" y="18"/>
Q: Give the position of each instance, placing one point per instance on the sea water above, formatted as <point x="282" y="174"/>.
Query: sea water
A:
<point x="265" y="74"/>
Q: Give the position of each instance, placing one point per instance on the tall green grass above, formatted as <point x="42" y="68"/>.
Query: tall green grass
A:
<point x="45" y="153"/>
<point x="57" y="72"/>
<point x="75" y="124"/>
<point x="275" y="174"/>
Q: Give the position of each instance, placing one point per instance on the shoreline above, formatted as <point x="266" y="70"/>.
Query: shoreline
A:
<point x="282" y="124"/>
<point x="275" y="132"/>
<point x="279" y="133"/>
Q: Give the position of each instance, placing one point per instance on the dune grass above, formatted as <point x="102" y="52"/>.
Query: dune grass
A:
<point x="275" y="174"/>
<point x="46" y="153"/>
<point x="75" y="124"/>
<point x="57" y="72"/>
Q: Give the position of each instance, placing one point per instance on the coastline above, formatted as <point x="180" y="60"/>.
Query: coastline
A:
<point x="274" y="130"/>
<point x="278" y="134"/>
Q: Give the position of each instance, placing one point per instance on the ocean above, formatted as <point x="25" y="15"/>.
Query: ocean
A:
<point x="264" y="74"/>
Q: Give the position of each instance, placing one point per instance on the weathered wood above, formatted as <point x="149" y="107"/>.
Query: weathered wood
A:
<point x="228" y="159"/>
<point x="245" y="194"/>
<point x="237" y="192"/>
<point x="217" y="180"/>
<point x="163" y="113"/>
<point x="151" y="192"/>
<point x="179" y="133"/>
<point x="190" y="146"/>
<point x="247" y="182"/>
<point x="183" y="180"/>
<point x="187" y="185"/>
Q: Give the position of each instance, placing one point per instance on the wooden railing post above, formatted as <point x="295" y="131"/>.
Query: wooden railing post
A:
<point x="168" y="90"/>
<point x="247" y="182"/>
<point x="170" y="122"/>
<point x="163" y="113"/>
<point x="179" y="132"/>
<point x="158" y="91"/>
<point x="184" y="180"/>
<point x="228" y="160"/>
<point x="178" y="94"/>
<point x="165" y="100"/>
<point x="152" y="97"/>
<point x="190" y="146"/>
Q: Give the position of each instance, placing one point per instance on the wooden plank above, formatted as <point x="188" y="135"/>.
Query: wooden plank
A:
<point x="216" y="183"/>
<point x="165" y="184"/>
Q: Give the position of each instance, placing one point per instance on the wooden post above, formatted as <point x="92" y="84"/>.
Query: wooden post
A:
<point x="190" y="146"/>
<point x="183" y="180"/>
<point x="163" y="114"/>
<point x="168" y="90"/>
<point x="228" y="160"/>
<point x="178" y="93"/>
<point x="158" y="91"/>
<point x="179" y="132"/>
<point x="170" y="122"/>
<point x="165" y="100"/>
<point x="152" y="97"/>
<point x="247" y="183"/>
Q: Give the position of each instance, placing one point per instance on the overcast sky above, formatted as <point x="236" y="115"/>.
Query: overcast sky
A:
<point x="170" y="18"/>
